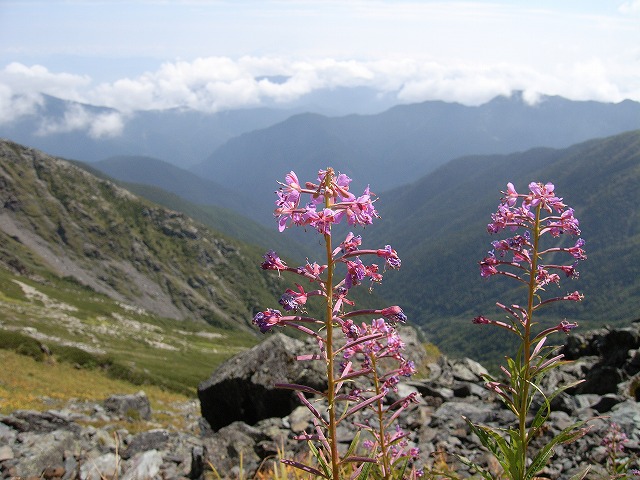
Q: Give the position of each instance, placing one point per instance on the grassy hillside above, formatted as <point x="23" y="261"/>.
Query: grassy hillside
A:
<point x="56" y="318"/>
<point x="438" y="226"/>
<point x="29" y="384"/>
<point x="187" y="185"/>
<point x="229" y="223"/>
<point x="61" y="220"/>
<point x="95" y="277"/>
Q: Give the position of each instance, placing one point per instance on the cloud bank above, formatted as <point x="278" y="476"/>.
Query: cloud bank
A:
<point x="213" y="84"/>
<point x="222" y="55"/>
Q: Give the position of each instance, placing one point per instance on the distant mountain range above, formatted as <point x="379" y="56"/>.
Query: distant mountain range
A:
<point x="438" y="169"/>
<point x="406" y="142"/>
<point x="180" y="137"/>
<point x="389" y="149"/>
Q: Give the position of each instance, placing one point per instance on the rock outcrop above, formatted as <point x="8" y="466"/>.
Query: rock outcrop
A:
<point x="68" y="444"/>
<point x="242" y="388"/>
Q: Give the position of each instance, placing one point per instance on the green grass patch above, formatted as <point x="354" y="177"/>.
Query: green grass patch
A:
<point x="89" y="331"/>
<point x="35" y="385"/>
<point x="21" y="344"/>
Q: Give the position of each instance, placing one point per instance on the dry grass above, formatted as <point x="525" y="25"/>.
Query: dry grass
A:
<point x="30" y="385"/>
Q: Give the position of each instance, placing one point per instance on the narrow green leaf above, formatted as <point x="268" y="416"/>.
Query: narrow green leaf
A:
<point x="495" y="443"/>
<point x="545" y="409"/>
<point x="581" y="475"/>
<point x="353" y="445"/>
<point x="366" y="469"/>
<point x="486" y="475"/>
<point x="320" y="458"/>
<point x="565" y="436"/>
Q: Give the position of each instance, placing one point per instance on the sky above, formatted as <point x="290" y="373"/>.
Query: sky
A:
<point x="213" y="55"/>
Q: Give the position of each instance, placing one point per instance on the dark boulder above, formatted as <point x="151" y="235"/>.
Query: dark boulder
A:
<point x="614" y="347"/>
<point x="243" y="388"/>
<point x="145" y="441"/>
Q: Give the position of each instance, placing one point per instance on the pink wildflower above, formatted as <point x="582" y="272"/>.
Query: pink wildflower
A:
<point x="544" y="196"/>
<point x="391" y="257"/>
<point x="267" y="319"/>
<point x="359" y="211"/>
<point x="566" y="327"/>
<point x="543" y="277"/>
<point x="512" y="195"/>
<point x="312" y="270"/>
<point x="481" y="320"/>
<point x="576" y="251"/>
<point x="290" y="190"/>
<point x="292" y="300"/>
<point x="272" y="262"/>
<point x="574" y="297"/>
<point x="488" y="265"/>
<point x="394" y="313"/>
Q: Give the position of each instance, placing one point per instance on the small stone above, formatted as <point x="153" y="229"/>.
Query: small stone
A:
<point x="144" y="466"/>
<point x="105" y="466"/>
<point x="135" y="407"/>
<point x="6" y="453"/>
<point x="53" y="472"/>
<point x="299" y="419"/>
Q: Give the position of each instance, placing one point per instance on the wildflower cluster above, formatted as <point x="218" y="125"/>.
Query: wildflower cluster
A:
<point x="370" y="360"/>
<point x="530" y="217"/>
<point x="618" y="462"/>
<point x="317" y="213"/>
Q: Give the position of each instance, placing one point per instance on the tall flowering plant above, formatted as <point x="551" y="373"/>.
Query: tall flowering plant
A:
<point x="534" y="218"/>
<point x="352" y="352"/>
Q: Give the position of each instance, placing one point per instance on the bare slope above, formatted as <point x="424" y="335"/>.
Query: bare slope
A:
<point x="57" y="219"/>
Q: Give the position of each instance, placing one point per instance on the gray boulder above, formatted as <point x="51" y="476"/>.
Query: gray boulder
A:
<point x="243" y="388"/>
<point x="135" y="407"/>
<point x="146" y="441"/>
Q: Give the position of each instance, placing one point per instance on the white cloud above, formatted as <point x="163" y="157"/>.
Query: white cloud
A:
<point x="77" y="117"/>
<point x="219" y="83"/>
<point x="22" y="87"/>
<point x="106" y="125"/>
<point x="211" y="84"/>
<point x="630" y="7"/>
<point x="13" y="106"/>
<point x="26" y="80"/>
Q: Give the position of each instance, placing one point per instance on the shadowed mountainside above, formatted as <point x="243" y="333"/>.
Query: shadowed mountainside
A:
<point x="406" y="142"/>
<point x="438" y="226"/>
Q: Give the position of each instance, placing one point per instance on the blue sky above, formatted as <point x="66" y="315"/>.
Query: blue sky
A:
<point x="214" y="55"/>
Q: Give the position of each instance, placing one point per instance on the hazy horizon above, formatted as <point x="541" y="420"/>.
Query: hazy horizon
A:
<point x="209" y="56"/>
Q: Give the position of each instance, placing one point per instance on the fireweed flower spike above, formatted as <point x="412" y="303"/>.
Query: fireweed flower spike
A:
<point x="537" y="215"/>
<point x="321" y="205"/>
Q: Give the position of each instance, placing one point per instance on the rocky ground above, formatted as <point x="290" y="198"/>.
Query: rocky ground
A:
<point x="88" y="440"/>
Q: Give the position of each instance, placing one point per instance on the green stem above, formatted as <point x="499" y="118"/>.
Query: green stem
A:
<point x="526" y="352"/>
<point x="333" y="442"/>
<point x="331" y="382"/>
<point x="383" y="441"/>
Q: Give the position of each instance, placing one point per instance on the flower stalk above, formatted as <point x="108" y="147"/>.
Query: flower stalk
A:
<point x="331" y="390"/>
<point x="362" y="346"/>
<point x="521" y="257"/>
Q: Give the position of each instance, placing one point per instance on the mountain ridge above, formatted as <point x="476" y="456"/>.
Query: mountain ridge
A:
<point x="443" y="219"/>
<point x="90" y="133"/>
<point x="407" y="142"/>
<point x="58" y="218"/>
